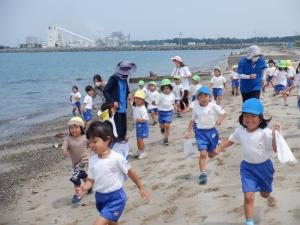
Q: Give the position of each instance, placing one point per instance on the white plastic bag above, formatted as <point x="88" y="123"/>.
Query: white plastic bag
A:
<point x="188" y="148"/>
<point x="284" y="152"/>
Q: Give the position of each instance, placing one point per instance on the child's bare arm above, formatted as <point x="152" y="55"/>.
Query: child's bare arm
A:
<point x="64" y="149"/>
<point x="275" y="127"/>
<point x="133" y="176"/>
<point x="226" y="143"/>
<point x="188" y="131"/>
<point x="84" y="107"/>
<point x="84" y="187"/>
<point x="220" y="119"/>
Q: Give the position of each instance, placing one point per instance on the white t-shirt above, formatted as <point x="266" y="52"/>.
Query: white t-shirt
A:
<point x="88" y="100"/>
<point x="218" y="82"/>
<point x="183" y="71"/>
<point x="256" y="146"/>
<point x="177" y="91"/>
<point x="75" y="97"/>
<point x="206" y="116"/>
<point x="109" y="173"/>
<point x="140" y="112"/>
<point x="150" y="97"/>
<point x="297" y="83"/>
<point x="165" y="102"/>
<point x="281" y="77"/>
<point x="234" y="75"/>
<point x="292" y="72"/>
<point x="195" y="88"/>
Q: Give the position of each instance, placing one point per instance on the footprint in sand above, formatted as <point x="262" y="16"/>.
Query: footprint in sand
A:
<point x="238" y="210"/>
<point x="168" y="213"/>
<point x="60" y="203"/>
<point x="271" y="202"/>
<point x="211" y="190"/>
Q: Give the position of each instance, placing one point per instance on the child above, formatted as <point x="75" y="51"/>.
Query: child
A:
<point x="75" y="100"/>
<point x="195" y="86"/>
<point x="217" y="83"/>
<point x="75" y="146"/>
<point x="291" y="74"/>
<point x="165" y="105"/>
<point x="297" y="84"/>
<point x="257" y="142"/>
<point x="151" y="99"/>
<point x="140" y="116"/>
<point x="280" y="77"/>
<point x="106" y="174"/>
<point x="270" y="72"/>
<point x="88" y="106"/>
<point x="142" y="85"/>
<point x="235" y="81"/>
<point x="178" y="93"/>
<point x="107" y="114"/>
<point x="206" y="115"/>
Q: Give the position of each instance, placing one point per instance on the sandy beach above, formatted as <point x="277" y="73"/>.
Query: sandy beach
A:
<point x="35" y="187"/>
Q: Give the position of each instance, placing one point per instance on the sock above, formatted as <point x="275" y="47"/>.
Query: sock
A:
<point x="249" y="222"/>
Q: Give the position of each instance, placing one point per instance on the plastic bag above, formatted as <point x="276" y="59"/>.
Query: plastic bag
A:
<point x="188" y="148"/>
<point x="284" y="152"/>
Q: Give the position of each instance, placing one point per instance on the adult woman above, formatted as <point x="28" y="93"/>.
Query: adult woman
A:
<point x="98" y="90"/>
<point x="251" y="70"/>
<point x="116" y="93"/>
<point x="183" y="71"/>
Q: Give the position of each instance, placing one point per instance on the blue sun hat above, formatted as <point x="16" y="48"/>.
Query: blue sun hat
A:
<point x="204" y="90"/>
<point x="253" y="106"/>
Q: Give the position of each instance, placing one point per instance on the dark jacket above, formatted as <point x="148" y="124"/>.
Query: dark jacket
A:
<point x="111" y="90"/>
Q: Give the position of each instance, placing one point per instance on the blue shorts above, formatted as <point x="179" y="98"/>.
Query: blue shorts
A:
<point x="193" y="98"/>
<point x="165" y="116"/>
<point x="235" y="83"/>
<point x="142" y="129"/>
<point x="111" y="205"/>
<point x="206" y="139"/>
<point x="279" y="87"/>
<point x="76" y="104"/>
<point x="290" y="82"/>
<point x="217" y="92"/>
<point x="88" y="115"/>
<point x="269" y="78"/>
<point x="152" y="110"/>
<point x="257" y="177"/>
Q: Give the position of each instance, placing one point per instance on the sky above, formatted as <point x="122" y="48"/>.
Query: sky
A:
<point x="148" y="20"/>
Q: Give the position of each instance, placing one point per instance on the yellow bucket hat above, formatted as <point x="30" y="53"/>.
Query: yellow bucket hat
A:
<point x="76" y="120"/>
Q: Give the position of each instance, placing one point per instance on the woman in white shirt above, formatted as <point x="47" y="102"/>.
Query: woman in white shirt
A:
<point x="184" y="72"/>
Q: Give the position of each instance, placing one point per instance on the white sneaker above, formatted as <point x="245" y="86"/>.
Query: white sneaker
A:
<point x="142" y="155"/>
<point x="137" y="154"/>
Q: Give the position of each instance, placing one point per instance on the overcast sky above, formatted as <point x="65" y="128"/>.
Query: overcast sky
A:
<point x="151" y="19"/>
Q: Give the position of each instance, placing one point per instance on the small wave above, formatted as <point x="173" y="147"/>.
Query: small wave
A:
<point x="79" y="79"/>
<point x="32" y="93"/>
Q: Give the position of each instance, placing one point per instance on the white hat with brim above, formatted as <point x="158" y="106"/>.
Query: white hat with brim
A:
<point x="253" y="50"/>
<point x="177" y="58"/>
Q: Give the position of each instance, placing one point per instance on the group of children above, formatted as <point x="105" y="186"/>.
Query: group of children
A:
<point x="106" y="170"/>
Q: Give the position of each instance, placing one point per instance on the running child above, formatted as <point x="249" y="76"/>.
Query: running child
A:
<point x="195" y="86"/>
<point x="75" y="146"/>
<point x="206" y="116"/>
<point x="151" y="99"/>
<point x="257" y="142"/>
<point x="165" y="105"/>
<point x="297" y="85"/>
<point x="75" y="97"/>
<point x="235" y="80"/>
<point x="141" y="119"/>
<point x="269" y="73"/>
<point x="217" y="83"/>
<point x="106" y="174"/>
<point x="178" y="93"/>
<point x="280" y="77"/>
<point x="88" y="106"/>
<point x="292" y="73"/>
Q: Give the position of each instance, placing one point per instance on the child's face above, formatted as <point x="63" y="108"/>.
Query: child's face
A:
<point x="152" y="87"/>
<point x="194" y="82"/>
<point x="271" y="64"/>
<point x="98" y="145"/>
<point x="217" y="73"/>
<point x="75" y="130"/>
<point x="90" y="93"/>
<point x="166" y="90"/>
<point x="138" y="101"/>
<point x="251" y="121"/>
<point x="203" y="99"/>
<point x="141" y="86"/>
<point x="235" y="69"/>
<point x="177" y="81"/>
<point x="74" y="90"/>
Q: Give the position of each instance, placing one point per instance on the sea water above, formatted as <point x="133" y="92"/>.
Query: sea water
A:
<point x="35" y="87"/>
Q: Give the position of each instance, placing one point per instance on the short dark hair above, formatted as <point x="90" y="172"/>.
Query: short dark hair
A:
<point x="75" y="87"/>
<point x="263" y="122"/>
<point x="103" y="130"/>
<point x="97" y="77"/>
<point x="106" y="106"/>
<point x="170" y="86"/>
<point x="271" y="61"/>
<point x="88" y="88"/>
<point x="181" y="64"/>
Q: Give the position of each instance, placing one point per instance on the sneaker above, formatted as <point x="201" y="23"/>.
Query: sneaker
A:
<point x="203" y="178"/>
<point x="138" y="153"/>
<point x="166" y="142"/>
<point x="285" y="104"/>
<point x="75" y="199"/>
<point x="142" y="155"/>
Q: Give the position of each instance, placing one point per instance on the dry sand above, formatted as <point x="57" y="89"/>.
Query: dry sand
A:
<point x="177" y="198"/>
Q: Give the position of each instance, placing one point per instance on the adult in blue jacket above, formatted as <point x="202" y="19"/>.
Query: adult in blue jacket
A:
<point x="251" y="70"/>
<point x="116" y="93"/>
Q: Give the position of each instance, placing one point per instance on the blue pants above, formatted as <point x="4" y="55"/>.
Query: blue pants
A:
<point x="257" y="177"/>
<point x="235" y="83"/>
<point x="206" y="139"/>
<point x="165" y="116"/>
<point x="88" y="115"/>
<point x="152" y="110"/>
<point x="217" y="92"/>
<point x="279" y="87"/>
<point x="111" y="205"/>
<point x="142" y="130"/>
